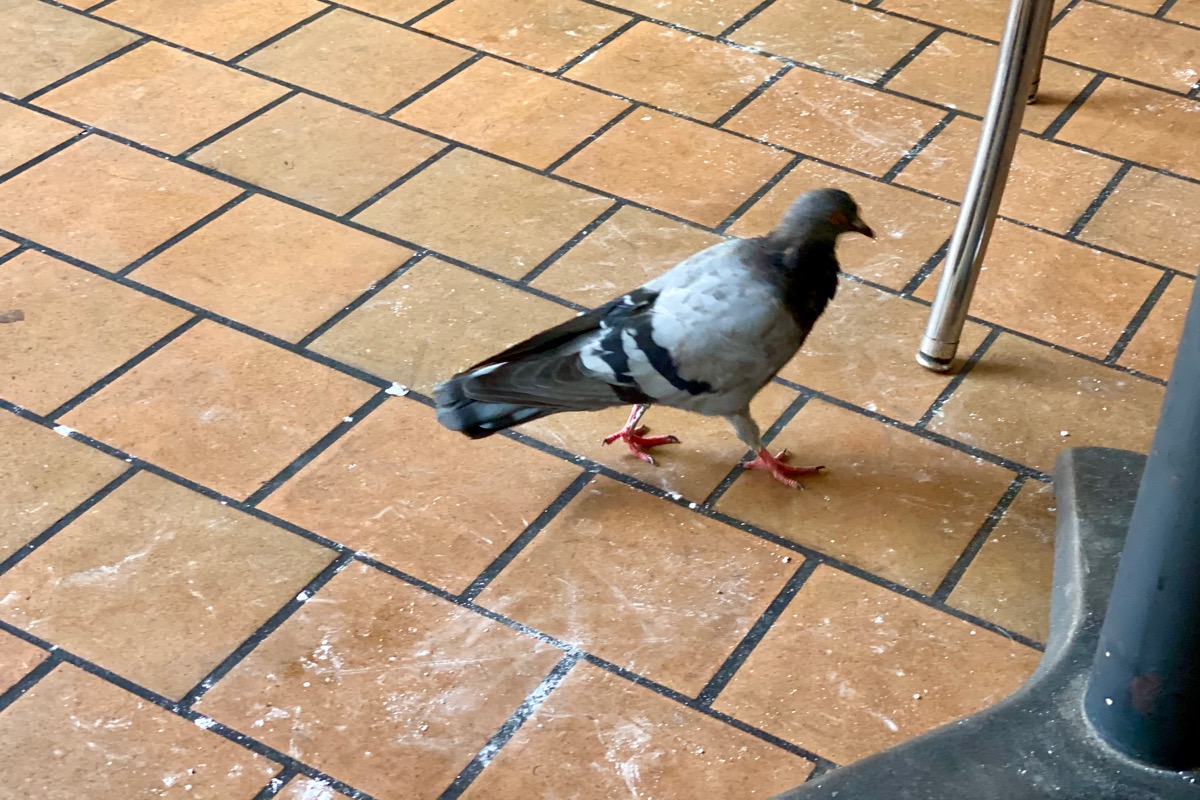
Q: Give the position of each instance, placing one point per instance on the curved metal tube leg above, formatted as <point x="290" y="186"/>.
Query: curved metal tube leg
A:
<point x="1018" y="68"/>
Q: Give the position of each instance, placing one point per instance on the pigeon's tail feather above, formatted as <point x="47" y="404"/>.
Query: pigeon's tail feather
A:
<point x="479" y="418"/>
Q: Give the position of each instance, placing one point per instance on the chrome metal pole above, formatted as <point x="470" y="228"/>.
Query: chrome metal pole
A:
<point x="1017" y="73"/>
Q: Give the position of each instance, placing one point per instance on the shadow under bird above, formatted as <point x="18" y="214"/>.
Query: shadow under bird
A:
<point x="705" y="336"/>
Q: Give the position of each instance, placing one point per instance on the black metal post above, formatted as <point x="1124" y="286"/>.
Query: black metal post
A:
<point x="1144" y="690"/>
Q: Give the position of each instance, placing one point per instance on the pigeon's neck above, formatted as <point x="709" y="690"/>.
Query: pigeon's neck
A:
<point x="806" y="276"/>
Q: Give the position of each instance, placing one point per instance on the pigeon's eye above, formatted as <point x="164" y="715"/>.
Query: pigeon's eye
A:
<point x="839" y="220"/>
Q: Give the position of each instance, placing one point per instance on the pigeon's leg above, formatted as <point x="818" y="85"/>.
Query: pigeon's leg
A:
<point x="633" y="436"/>
<point x="747" y="430"/>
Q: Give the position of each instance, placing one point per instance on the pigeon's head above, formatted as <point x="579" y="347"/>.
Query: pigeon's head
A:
<point x="821" y="215"/>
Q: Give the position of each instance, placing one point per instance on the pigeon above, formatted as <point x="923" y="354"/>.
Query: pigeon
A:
<point x="705" y="337"/>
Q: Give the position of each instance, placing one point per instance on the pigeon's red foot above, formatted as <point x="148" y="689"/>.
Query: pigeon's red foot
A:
<point x="780" y="469"/>
<point x="638" y="444"/>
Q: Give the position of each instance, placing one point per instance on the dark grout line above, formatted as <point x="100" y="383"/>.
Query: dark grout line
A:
<point x="908" y="57"/>
<point x="964" y="560"/>
<point x="394" y="185"/>
<point x="21" y="553"/>
<point x="1057" y="18"/>
<point x="43" y="156"/>
<point x="959" y="377"/>
<point x="28" y="681"/>
<point x="438" y="6"/>
<point x="755" y="635"/>
<point x="100" y="62"/>
<point x="823" y="766"/>
<point x="1065" y="115"/>
<point x="591" y="137"/>
<point x="272" y="624"/>
<point x="526" y="536"/>
<point x="1165" y="9"/>
<point x="288" y="31"/>
<point x="1094" y="206"/>
<point x="1139" y="318"/>
<point x="475" y="58"/>
<point x="927" y="269"/>
<point x="916" y="149"/>
<point x="187" y="231"/>
<point x="1154" y="16"/>
<point x="374" y="289"/>
<point x="98" y="6"/>
<point x="758" y="92"/>
<point x="745" y="18"/>
<point x="758" y="194"/>
<point x="519" y="717"/>
<point x="228" y="129"/>
<point x="276" y="784"/>
<point x="569" y="245"/>
<point x="591" y="51"/>
<point x="12" y="254"/>
<point x="1195" y="92"/>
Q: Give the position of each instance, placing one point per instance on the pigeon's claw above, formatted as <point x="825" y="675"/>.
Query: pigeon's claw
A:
<point x="780" y="469"/>
<point x="638" y="443"/>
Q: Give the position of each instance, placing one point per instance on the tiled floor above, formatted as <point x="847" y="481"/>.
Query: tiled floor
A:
<point x="239" y="560"/>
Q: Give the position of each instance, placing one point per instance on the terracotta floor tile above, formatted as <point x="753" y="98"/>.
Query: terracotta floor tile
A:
<point x="513" y="112"/>
<point x="643" y="583"/>
<point x="405" y="335"/>
<point x="851" y="668"/>
<point x="1151" y="216"/>
<point x="77" y="328"/>
<point x="836" y="120"/>
<point x="909" y="227"/>
<point x="43" y="43"/>
<point x="273" y="267"/>
<point x="1009" y="580"/>
<point x="1049" y="185"/>
<point x="675" y="70"/>
<point x="44" y="476"/>
<point x="707" y="451"/>
<point x="517" y="218"/>
<point x="7" y="246"/>
<point x="1022" y="396"/>
<point x="677" y="166"/>
<point x="220" y="408"/>
<point x="542" y="33"/>
<point x="307" y="789"/>
<point x="357" y="59"/>
<point x="417" y="497"/>
<point x="958" y="72"/>
<point x="1153" y="347"/>
<point x="980" y="17"/>
<point x="161" y="97"/>
<point x="17" y="658"/>
<point x="892" y="503"/>
<point x="631" y="247"/>
<point x="1056" y="290"/>
<point x="381" y="685"/>
<point x="318" y="153"/>
<point x="846" y="357"/>
<point x="223" y="28"/>
<point x="106" y="203"/>
<point x="211" y="574"/>
<point x="395" y="10"/>
<point x="1122" y="43"/>
<point x="1182" y="12"/>
<point x="833" y="35"/>
<point x="706" y="16"/>
<point x="598" y="736"/>
<point x="106" y="744"/>
<point x="25" y="134"/>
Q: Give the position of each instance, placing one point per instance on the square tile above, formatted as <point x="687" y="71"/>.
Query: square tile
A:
<point x="153" y="559"/>
<point x="1009" y="580"/>
<point x="1119" y="42"/>
<point x="357" y="59"/>
<point x="513" y="112"/>
<point x="223" y="28"/>
<point x="674" y="165"/>
<point x="891" y="502"/>
<point x="405" y="334"/>
<point x="318" y="153"/>
<point x="272" y="266"/>
<point x="541" y="33"/>
<point x="78" y="327"/>
<point x="17" y="658"/>
<point x="25" y="134"/>
<point x="44" y="476"/>
<point x="395" y="10"/>
<point x="1027" y="402"/>
<point x="675" y="70"/>
<point x="958" y="72"/>
<point x="1153" y="347"/>
<point x="981" y="17"/>
<point x="380" y="684"/>
<point x="1151" y="216"/>
<point x="106" y="203"/>
<point x="833" y="35"/>
<point x="220" y="408"/>
<point x="1049" y="184"/>
<point x="43" y="44"/>
<point x="485" y="212"/>
<point x="106" y="744"/>
<point x="707" y="451"/>
<point x="628" y="249"/>
<point x="403" y="490"/>
<point x="707" y="16"/>
<point x="846" y="357"/>
<point x="1056" y="290"/>
<point x="597" y="735"/>
<point x="836" y="120"/>
<point x="851" y="668"/>
<point x="646" y="584"/>
<point x="161" y="97"/>
<point x="909" y="227"/>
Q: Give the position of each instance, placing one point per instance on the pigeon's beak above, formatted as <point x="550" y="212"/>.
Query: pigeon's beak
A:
<point x="861" y="227"/>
